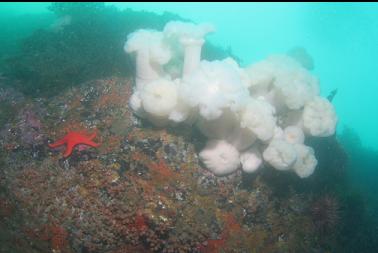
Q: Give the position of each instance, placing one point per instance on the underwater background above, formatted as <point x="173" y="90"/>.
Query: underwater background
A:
<point x="63" y="63"/>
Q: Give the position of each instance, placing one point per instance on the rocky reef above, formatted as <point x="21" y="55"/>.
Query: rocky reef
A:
<point x="144" y="189"/>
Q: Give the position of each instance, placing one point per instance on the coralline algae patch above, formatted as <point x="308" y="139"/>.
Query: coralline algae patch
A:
<point x="142" y="190"/>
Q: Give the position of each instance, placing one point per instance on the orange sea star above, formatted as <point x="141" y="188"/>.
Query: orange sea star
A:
<point x="74" y="138"/>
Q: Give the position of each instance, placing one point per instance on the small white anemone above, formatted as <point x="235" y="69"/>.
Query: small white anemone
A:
<point x="306" y="162"/>
<point x="261" y="76"/>
<point x="220" y="157"/>
<point x="159" y="98"/>
<point x="319" y="117"/>
<point x="251" y="160"/>
<point x="213" y="87"/>
<point x="258" y="116"/>
<point x="282" y="81"/>
<point x="280" y="154"/>
<point x="297" y="87"/>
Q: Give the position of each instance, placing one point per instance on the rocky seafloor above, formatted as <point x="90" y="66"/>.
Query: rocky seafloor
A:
<point x="142" y="190"/>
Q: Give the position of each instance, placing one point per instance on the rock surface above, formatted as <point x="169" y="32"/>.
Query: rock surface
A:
<point x="142" y="190"/>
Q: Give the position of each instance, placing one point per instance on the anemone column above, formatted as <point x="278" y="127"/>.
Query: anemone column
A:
<point x="151" y="55"/>
<point x="192" y="54"/>
<point x="145" y="73"/>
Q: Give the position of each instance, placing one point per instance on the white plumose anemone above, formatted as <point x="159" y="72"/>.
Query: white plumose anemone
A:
<point x="213" y="87"/>
<point x="220" y="157"/>
<point x="319" y="117"/>
<point x="306" y="162"/>
<point x="283" y="82"/>
<point x="258" y="116"/>
<point x="280" y="154"/>
<point x="296" y="86"/>
<point x="159" y="99"/>
<point x="191" y="37"/>
<point x="151" y="54"/>
<point x="251" y="160"/>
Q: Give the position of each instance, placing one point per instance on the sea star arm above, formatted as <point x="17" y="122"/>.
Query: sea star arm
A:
<point x="91" y="143"/>
<point x="92" y="136"/>
<point x="74" y="138"/>
<point x="58" y="143"/>
<point x="69" y="148"/>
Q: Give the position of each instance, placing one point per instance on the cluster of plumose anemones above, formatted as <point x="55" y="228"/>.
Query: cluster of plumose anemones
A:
<point x="259" y="113"/>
